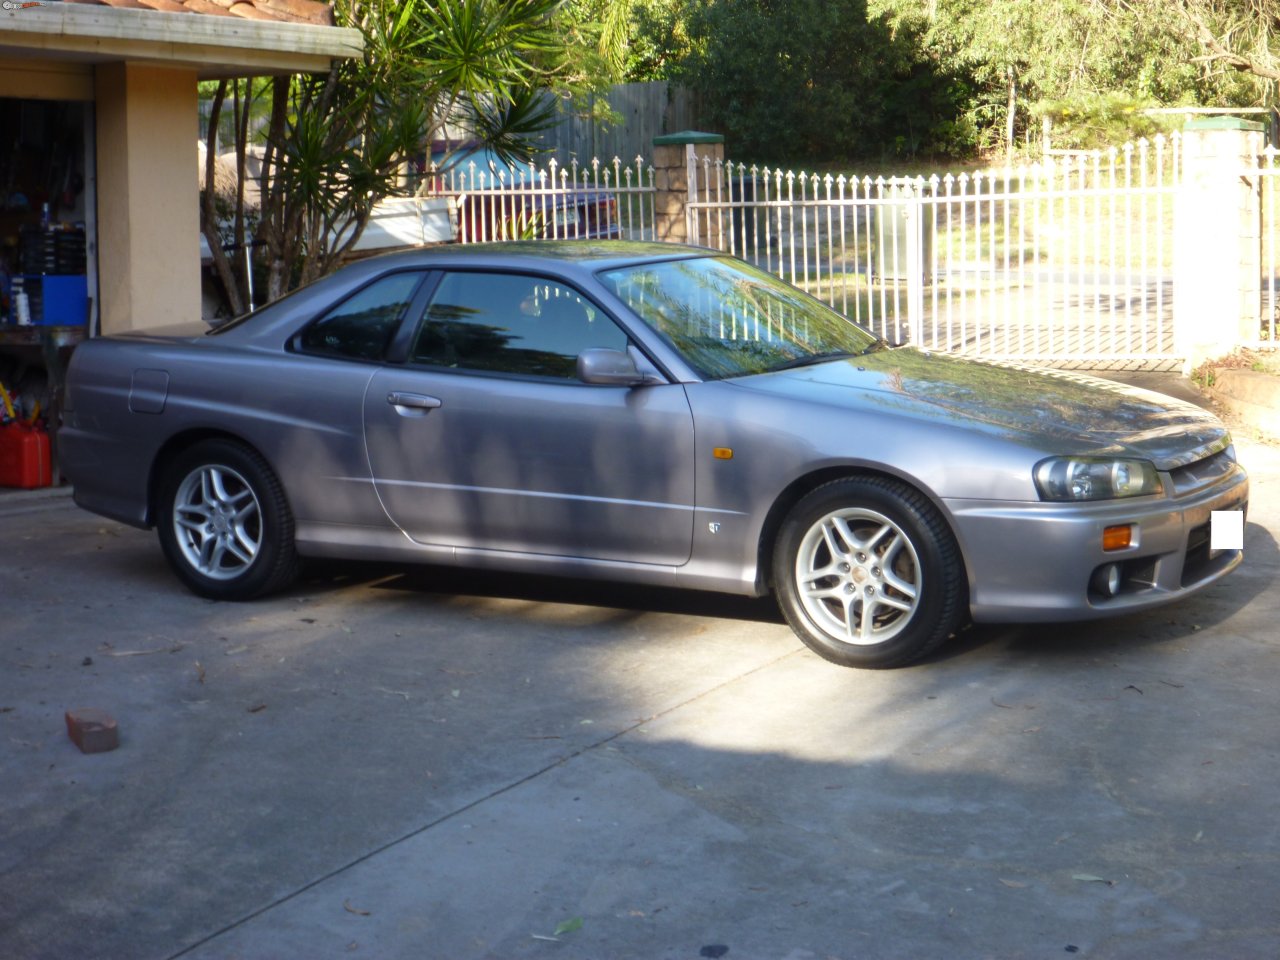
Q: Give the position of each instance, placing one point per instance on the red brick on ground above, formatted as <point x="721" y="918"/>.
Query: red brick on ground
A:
<point x="93" y="731"/>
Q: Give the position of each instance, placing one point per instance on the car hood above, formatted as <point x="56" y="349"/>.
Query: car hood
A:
<point x="1060" y="412"/>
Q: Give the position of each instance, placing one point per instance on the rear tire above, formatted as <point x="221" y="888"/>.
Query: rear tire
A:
<point x="868" y="574"/>
<point x="224" y="523"/>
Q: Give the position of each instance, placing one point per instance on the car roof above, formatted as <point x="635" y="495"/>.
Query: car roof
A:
<point x="534" y="254"/>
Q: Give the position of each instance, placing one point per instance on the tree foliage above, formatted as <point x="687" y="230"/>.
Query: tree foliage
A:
<point x="334" y="144"/>
<point x="810" y="79"/>
<point x="896" y="77"/>
<point x="1238" y="35"/>
<point x="1097" y="61"/>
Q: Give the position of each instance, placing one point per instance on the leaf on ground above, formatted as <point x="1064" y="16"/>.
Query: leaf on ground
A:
<point x="173" y="648"/>
<point x="1090" y="878"/>
<point x="1015" y="884"/>
<point x="568" y="926"/>
<point x="1010" y="706"/>
<point x="346" y="905"/>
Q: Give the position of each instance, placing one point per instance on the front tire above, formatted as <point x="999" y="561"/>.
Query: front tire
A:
<point x="224" y="523"/>
<point x="868" y="574"/>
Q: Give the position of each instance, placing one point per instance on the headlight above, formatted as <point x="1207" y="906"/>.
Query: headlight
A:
<point x="1095" y="478"/>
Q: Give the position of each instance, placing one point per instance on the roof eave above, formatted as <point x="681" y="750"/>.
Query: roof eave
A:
<point x="213" y="46"/>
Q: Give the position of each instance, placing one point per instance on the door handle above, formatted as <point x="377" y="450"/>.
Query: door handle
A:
<point x="412" y="401"/>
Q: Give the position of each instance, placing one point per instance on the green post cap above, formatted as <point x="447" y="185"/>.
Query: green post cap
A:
<point x="1223" y="123"/>
<point x="687" y="136"/>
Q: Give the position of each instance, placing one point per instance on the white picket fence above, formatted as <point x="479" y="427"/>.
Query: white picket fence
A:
<point x="497" y="201"/>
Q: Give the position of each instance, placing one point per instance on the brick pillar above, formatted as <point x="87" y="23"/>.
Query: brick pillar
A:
<point x="1217" y="244"/>
<point x="673" y="155"/>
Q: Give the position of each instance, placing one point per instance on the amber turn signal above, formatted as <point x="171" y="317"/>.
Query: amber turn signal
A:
<point x="1117" y="538"/>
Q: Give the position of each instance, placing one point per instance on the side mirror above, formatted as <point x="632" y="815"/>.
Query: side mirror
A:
<point x="615" y="368"/>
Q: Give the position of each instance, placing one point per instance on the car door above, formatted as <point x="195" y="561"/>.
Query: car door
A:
<point x="485" y="438"/>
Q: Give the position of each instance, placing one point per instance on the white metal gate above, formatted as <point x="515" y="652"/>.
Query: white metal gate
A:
<point x="1066" y="261"/>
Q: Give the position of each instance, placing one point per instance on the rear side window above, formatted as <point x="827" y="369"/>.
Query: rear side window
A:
<point x="361" y="326"/>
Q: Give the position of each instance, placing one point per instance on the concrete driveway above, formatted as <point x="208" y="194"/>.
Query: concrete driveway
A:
<point x="434" y="764"/>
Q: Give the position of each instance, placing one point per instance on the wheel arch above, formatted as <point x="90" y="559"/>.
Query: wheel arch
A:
<point x="802" y="486"/>
<point x="174" y="447"/>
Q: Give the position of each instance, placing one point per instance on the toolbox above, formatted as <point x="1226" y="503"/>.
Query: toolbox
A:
<point x="25" y="459"/>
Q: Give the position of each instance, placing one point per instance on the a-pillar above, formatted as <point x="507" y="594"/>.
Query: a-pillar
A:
<point x="1217" y="265"/>
<point x="675" y="155"/>
<point x="148" y="199"/>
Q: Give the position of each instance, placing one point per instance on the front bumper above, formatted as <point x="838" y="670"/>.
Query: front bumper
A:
<point x="1034" y="562"/>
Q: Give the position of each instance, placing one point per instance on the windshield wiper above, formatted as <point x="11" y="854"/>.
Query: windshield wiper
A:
<point x="812" y="359"/>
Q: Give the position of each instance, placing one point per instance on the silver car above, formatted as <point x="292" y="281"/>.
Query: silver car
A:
<point x="652" y="414"/>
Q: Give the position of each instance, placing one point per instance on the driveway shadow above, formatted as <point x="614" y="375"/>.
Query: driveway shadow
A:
<point x="460" y="582"/>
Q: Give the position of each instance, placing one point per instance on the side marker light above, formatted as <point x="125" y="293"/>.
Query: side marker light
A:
<point x="1117" y="538"/>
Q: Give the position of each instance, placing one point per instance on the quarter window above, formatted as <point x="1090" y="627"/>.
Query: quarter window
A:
<point x="361" y="326"/>
<point x="511" y="324"/>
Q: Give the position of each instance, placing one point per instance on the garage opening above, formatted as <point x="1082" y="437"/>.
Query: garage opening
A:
<point x="48" y="278"/>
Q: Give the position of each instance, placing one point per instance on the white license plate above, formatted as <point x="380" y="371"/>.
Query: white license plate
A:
<point x="1226" y="530"/>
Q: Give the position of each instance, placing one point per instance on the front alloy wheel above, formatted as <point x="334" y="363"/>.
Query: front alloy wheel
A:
<point x="868" y="574"/>
<point x="858" y="576"/>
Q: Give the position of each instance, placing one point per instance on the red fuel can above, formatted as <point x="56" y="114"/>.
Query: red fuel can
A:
<point x="24" y="456"/>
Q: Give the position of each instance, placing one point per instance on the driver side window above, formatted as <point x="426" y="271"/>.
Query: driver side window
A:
<point x="506" y="323"/>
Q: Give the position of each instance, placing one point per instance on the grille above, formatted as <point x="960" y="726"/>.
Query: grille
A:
<point x="1203" y="473"/>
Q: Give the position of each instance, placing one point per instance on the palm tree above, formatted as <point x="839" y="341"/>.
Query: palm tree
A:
<point x="334" y="144"/>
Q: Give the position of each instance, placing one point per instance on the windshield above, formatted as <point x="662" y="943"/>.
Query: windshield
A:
<point x="729" y="319"/>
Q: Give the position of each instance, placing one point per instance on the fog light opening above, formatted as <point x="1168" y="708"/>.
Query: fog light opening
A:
<point x="1106" y="580"/>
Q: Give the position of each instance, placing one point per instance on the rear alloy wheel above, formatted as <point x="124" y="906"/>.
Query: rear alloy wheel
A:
<point x="224" y="524"/>
<point x="868" y="574"/>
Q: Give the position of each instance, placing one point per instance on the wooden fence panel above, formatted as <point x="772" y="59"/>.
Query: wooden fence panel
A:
<point x="647" y="110"/>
